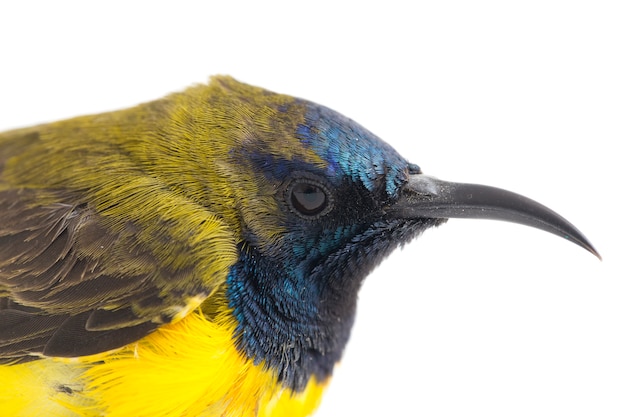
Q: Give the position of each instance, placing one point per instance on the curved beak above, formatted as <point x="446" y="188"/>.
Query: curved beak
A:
<point x="429" y="197"/>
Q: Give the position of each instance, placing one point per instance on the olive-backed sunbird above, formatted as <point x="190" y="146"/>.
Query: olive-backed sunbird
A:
<point x="201" y="255"/>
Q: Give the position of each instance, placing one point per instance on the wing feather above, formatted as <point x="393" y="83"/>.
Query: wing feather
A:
<point x="76" y="281"/>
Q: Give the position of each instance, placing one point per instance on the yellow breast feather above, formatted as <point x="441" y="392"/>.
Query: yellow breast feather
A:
<point x="189" y="368"/>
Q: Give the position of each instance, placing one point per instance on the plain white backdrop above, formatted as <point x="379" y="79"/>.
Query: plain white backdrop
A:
<point x="474" y="318"/>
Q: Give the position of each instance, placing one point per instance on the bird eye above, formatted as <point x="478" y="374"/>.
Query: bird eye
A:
<point x="308" y="198"/>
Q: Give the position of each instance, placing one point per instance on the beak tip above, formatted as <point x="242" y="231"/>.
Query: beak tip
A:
<point x="591" y="249"/>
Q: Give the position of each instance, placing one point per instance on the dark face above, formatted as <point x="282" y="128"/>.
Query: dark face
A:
<point x="336" y="230"/>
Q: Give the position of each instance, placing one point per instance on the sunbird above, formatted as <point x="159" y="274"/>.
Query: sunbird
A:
<point x="201" y="255"/>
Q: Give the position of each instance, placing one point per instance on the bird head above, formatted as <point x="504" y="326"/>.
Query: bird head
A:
<point x="317" y="201"/>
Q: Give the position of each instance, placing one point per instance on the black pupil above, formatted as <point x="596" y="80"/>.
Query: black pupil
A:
<point x="308" y="198"/>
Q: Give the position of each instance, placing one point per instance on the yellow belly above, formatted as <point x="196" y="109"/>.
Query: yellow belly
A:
<point x="190" y="368"/>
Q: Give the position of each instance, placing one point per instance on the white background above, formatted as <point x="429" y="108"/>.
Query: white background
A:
<point x="475" y="318"/>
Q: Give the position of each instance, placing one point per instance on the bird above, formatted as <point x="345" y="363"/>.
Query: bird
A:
<point x="201" y="254"/>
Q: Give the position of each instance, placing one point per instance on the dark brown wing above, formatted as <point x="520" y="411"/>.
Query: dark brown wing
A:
<point x="74" y="282"/>
<point x="60" y="298"/>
